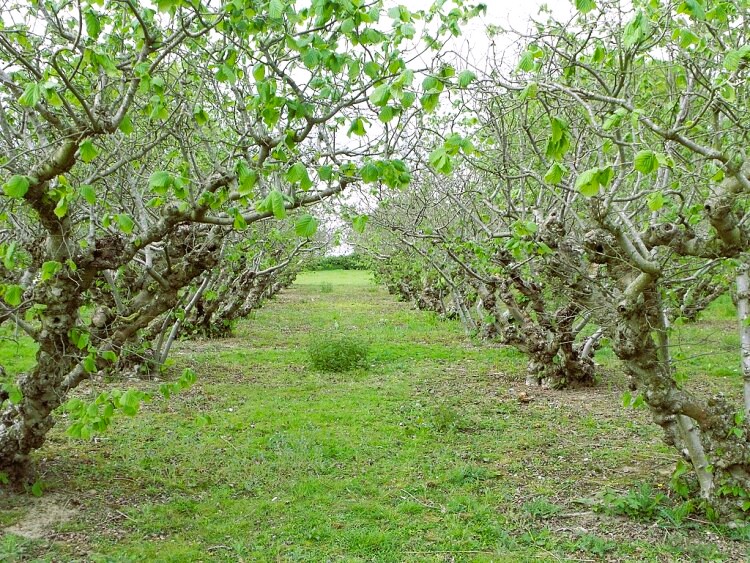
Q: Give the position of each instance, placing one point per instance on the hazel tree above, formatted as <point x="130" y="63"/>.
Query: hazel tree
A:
<point x="646" y="129"/>
<point x="134" y="138"/>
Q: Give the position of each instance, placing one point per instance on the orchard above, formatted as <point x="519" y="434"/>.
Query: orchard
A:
<point x="175" y="175"/>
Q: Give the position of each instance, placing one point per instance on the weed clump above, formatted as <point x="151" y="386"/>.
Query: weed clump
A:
<point x="338" y="353"/>
<point x="326" y="287"/>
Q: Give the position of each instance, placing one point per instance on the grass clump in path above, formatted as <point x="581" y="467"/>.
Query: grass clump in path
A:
<point x="338" y="353"/>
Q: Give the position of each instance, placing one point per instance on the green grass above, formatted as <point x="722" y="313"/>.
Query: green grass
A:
<point x="427" y="455"/>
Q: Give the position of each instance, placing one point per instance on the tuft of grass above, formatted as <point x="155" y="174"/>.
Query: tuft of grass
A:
<point x="541" y="508"/>
<point x="326" y="287"/>
<point x="642" y="503"/>
<point x="446" y="418"/>
<point x="338" y="353"/>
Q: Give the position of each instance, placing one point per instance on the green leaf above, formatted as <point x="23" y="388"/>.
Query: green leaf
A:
<point x="347" y="26"/>
<point x="359" y="223"/>
<point x="239" y="223"/>
<point x="325" y="172"/>
<point x="200" y="115"/>
<point x="370" y="173"/>
<point x="31" y="95"/>
<point x="259" y="72"/>
<point x="655" y="201"/>
<point x="88" y="193"/>
<point x="297" y="173"/>
<point x="728" y="93"/>
<point x="61" y="209"/>
<point x="160" y="181"/>
<point x="693" y="8"/>
<point x="88" y="151"/>
<point x="441" y="161"/>
<point x="734" y="58"/>
<point x="16" y="186"/>
<point x="13" y="295"/>
<point x="555" y="174"/>
<point x="465" y="78"/>
<point x="49" y="269"/>
<point x="381" y="95"/>
<point x="636" y="30"/>
<point x="247" y="181"/>
<point x="275" y="9"/>
<point x="126" y="125"/>
<point x="646" y="162"/>
<point x="306" y="226"/>
<point x="15" y="396"/>
<point x="526" y="63"/>
<point x="530" y="91"/>
<point x="585" y="6"/>
<point x="93" y="27"/>
<point x="587" y="182"/>
<point x="358" y="127"/>
<point x="125" y="222"/>
<point x="109" y="356"/>
<point x="386" y="114"/>
<point x="559" y="141"/>
<point x="429" y="102"/>
<point x="37" y="489"/>
<point x="276" y="204"/>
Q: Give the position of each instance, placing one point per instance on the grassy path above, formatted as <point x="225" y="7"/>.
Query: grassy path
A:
<point x="428" y="455"/>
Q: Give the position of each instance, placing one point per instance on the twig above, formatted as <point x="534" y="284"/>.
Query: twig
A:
<point x="125" y="515"/>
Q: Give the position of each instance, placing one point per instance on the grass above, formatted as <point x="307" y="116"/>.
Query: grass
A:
<point x="427" y="455"/>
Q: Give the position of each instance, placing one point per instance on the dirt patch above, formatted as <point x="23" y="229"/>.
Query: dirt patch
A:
<point x="43" y="515"/>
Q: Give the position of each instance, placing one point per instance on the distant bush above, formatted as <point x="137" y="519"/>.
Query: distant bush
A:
<point x="338" y="353"/>
<point x="344" y="262"/>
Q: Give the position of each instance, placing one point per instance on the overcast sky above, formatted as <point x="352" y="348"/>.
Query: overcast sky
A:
<point x="508" y="14"/>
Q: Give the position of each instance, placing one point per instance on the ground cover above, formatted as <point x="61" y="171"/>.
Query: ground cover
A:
<point x="435" y="451"/>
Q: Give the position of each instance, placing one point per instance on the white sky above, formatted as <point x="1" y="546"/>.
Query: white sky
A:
<point x="473" y="45"/>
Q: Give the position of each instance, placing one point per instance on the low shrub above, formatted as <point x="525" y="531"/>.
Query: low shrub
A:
<point x="338" y="353"/>
<point x="326" y="287"/>
<point x="353" y="261"/>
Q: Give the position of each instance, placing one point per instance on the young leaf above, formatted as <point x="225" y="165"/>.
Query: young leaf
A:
<point x="655" y="201"/>
<point x="646" y="162"/>
<point x="88" y="193"/>
<point x="16" y="186"/>
<point x="160" y="181"/>
<point x="13" y="295"/>
<point x="93" y="27"/>
<point x="587" y="182"/>
<point x="306" y="226"/>
<point x="465" y="78"/>
<point x="636" y="30"/>
<point x="49" y="269"/>
<point x="15" y="396"/>
<point x="381" y="95"/>
<point x="359" y="223"/>
<point x="370" y="173"/>
<point x="125" y="222"/>
<point x="88" y="151"/>
<point x="325" y="172"/>
<point x="276" y="9"/>
<point x="276" y="201"/>
<point x="555" y="174"/>
<point x="31" y="95"/>
<point x="585" y="6"/>
<point x="358" y="127"/>
<point x="441" y="161"/>
<point x="126" y="125"/>
<point x="692" y="8"/>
